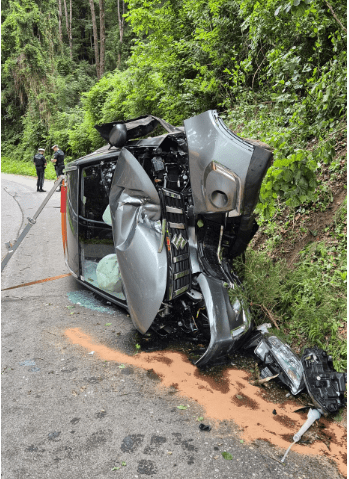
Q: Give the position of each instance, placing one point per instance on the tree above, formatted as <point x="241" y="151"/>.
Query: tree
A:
<point x="102" y="37"/>
<point x="95" y="37"/>
<point x="70" y="30"/>
<point x="68" y="23"/>
<point x="121" y="22"/>
<point x="60" y="20"/>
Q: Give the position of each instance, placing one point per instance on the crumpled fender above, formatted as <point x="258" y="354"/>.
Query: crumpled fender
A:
<point x="228" y="323"/>
<point x="135" y="210"/>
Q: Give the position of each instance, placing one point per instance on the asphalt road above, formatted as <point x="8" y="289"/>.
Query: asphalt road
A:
<point x="69" y="414"/>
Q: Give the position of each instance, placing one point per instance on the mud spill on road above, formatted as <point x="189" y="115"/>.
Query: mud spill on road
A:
<point x="237" y="400"/>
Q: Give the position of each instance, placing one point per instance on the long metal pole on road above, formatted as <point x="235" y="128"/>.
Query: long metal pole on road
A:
<point x="31" y="222"/>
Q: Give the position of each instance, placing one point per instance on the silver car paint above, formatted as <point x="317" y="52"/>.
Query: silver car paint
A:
<point x="135" y="211"/>
<point x="135" y="208"/>
<point x="218" y="163"/>
<point x="227" y="324"/>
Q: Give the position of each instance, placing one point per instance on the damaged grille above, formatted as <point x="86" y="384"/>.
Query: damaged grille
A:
<point x="179" y="278"/>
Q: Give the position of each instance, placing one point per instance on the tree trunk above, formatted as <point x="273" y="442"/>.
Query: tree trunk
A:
<point x="70" y="30"/>
<point x="95" y="35"/>
<point x="102" y="37"/>
<point x="60" y="20"/>
<point x="66" y="18"/>
<point x="121" y="21"/>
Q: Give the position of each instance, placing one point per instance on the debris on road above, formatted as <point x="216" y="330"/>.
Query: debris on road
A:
<point x="313" y="415"/>
<point x="204" y="427"/>
<point x="325" y="386"/>
<point x="28" y="362"/>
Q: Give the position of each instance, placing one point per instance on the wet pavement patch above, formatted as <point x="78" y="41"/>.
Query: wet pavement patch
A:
<point x="93" y="380"/>
<point x="127" y="371"/>
<point x="152" y="375"/>
<point x="155" y="445"/>
<point x="146" y="467"/>
<point x="98" y="439"/>
<point x="132" y="443"/>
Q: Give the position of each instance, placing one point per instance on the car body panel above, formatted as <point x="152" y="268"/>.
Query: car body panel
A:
<point x="135" y="210"/>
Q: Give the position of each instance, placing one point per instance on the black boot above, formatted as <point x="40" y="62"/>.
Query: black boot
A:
<point x="42" y="191"/>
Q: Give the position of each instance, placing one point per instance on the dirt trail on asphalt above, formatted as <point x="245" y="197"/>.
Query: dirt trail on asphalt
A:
<point x="232" y="398"/>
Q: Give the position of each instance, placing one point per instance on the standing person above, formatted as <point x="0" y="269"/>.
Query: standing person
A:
<point x="40" y="165"/>
<point x="58" y="160"/>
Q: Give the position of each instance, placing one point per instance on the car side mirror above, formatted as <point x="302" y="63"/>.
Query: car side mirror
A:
<point x="118" y="135"/>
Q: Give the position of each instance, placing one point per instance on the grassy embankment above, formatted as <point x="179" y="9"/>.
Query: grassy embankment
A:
<point x="15" y="167"/>
<point x="295" y="273"/>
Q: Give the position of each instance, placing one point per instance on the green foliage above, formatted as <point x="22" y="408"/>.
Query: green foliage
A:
<point x="292" y="179"/>
<point x="309" y="300"/>
<point x="26" y="168"/>
<point x="186" y="56"/>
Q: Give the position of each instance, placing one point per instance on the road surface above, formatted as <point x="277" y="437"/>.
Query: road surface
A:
<point x="71" y="412"/>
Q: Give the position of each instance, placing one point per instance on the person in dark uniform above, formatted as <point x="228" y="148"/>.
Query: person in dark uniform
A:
<point x="40" y="165"/>
<point x="58" y="161"/>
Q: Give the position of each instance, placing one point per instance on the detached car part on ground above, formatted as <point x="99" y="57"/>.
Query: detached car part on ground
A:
<point x="153" y="225"/>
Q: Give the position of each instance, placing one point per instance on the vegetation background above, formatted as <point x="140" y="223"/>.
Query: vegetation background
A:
<point x="275" y="70"/>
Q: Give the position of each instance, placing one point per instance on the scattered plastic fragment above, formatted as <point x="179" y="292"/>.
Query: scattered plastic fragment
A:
<point x="303" y="409"/>
<point x="325" y="386"/>
<point x="313" y="415"/>
<point x="274" y="412"/>
<point x="91" y="353"/>
<point x="204" y="427"/>
<point x="35" y="370"/>
<point x="28" y="362"/>
<point x="266" y="380"/>
<point x="227" y="456"/>
<point x="263" y="328"/>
